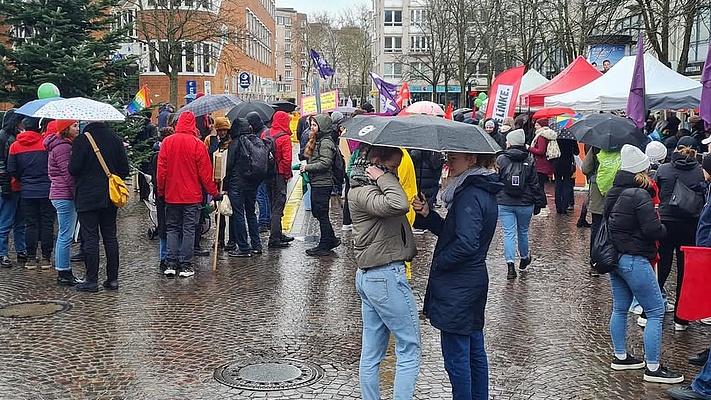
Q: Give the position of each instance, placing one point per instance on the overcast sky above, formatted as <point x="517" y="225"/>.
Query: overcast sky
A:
<point x="314" y="6"/>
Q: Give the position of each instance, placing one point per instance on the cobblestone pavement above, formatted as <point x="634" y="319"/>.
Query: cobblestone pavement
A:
<point x="158" y="338"/>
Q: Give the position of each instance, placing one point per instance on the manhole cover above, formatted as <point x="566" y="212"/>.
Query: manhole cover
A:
<point x="34" y="309"/>
<point x="266" y="375"/>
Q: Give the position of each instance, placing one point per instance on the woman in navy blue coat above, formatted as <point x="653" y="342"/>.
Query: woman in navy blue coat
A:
<point x="458" y="282"/>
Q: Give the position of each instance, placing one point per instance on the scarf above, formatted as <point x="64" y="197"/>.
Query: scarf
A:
<point x="448" y="192"/>
<point x="358" y="175"/>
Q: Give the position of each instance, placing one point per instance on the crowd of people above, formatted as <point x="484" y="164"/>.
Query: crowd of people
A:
<point x="53" y="172"/>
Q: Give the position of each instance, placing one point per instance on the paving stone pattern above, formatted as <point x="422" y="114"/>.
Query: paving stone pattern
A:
<point x="159" y="338"/>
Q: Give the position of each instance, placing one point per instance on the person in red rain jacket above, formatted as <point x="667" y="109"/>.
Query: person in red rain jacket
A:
<point x="184" y="170"/>
<point x="281" y="134"/>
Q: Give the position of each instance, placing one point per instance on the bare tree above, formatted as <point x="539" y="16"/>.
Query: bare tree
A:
<point x="171" y="29"/>
<point x="570" y="24"/>
<point x="355" y="45"/>
<point x="429" y="60"/>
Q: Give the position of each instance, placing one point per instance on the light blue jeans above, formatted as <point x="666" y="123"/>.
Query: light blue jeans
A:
<point x="515" y="221"/>
<point x="11" y="219"/>
<point x="702" y="382"/>
<point x="635" y="277"/>
<point x="67" y="220"/>
<point x="388" y="306"/>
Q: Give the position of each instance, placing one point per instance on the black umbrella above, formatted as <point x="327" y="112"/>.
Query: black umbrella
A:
<point x="210" y="103"/>
<point x="285" y="106"/>
<point x="241" y="110"/>
<point x="422" y="132"/>
<point x="608" y="132"/>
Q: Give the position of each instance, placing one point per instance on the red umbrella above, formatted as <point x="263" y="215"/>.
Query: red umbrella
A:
<point x="551" y="112"/>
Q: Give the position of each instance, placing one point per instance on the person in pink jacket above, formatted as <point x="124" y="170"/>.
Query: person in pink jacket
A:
<point x="58" y="142"/>
<point x="539" y="145"/>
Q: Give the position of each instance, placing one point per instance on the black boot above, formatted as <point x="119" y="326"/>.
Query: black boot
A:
<point x="525" y="262"/>
<point x="67" y="278"/>
<point x="512" y="271"/>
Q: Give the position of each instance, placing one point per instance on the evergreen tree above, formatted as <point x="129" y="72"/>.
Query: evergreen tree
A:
<point x="71" y="43"/>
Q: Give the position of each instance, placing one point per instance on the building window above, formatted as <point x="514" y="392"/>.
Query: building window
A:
<point x="420" y="69"/>
<point x="393" y="18"/>
<point x="418" y="43"/>
<point x="392" y="70"/>
<point x="393" y="44"/>
<point x="417" y="16"/>
<point x="189" y="49"/>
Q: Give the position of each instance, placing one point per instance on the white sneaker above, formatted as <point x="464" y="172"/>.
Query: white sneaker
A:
<point x="680" y="327"/>
<point x="347" y="227"/>
<point x="642" y="321"/>
<point x="669" y="307"/>
<point x="706" y="321"/>
<point x="418" y="231"/>
<point x="637" y="309"/>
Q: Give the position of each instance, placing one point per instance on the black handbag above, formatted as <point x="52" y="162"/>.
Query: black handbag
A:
<point x="686" y="202"/>
<point x="603" y="255"/>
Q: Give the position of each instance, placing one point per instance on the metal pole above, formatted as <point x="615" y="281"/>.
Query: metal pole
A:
<point x="317" y="91"/>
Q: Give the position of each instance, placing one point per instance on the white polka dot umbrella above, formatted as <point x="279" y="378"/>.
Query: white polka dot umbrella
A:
<point x="80" y="108"/>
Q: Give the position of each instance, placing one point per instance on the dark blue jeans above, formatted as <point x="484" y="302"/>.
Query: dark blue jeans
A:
<point x="11" y="218"/>
<point x="243" y="200"/>
<point x="466" y="364"/>
<point x="264" y="205"/>
<point x="563" y="192"/>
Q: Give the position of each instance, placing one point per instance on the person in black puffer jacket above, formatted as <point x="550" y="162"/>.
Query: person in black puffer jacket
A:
<point x="634" y="227"/>
<point x="520" y="199"/>
<point x="681" y="228"/>
<point x="428" y="170"/>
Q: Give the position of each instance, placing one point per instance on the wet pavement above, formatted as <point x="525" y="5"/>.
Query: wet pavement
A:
<point x="159" y="338"/>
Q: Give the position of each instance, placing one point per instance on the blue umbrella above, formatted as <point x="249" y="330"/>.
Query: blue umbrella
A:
<point x="31" y="107"/>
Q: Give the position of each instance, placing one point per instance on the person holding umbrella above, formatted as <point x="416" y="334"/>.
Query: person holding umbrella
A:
<point x="383" y="242"/>
<point x="95" y="210"/>
<point x="458" y="283"/>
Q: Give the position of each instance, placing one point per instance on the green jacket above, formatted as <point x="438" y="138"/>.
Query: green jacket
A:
<point x="381" y="232"/>
<point x="320" y="163"/>
<point x="596" y="205"/>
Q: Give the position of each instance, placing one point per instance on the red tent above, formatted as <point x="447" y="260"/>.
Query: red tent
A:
<point x="579" y="73"/>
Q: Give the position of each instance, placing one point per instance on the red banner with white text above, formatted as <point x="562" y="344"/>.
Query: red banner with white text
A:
<point x="504" y="93"/>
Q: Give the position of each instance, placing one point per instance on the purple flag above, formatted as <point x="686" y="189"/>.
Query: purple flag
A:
<point x="636" y="104"/>
<point x="705" y="106"/>
<point x="387" y="91"/>
<point x="321" y="65"/>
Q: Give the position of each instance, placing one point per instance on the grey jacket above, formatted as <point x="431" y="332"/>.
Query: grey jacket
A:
<point x="381" y="232"/>
<point x="320" y="163"/>
<point x="596" y="204"/>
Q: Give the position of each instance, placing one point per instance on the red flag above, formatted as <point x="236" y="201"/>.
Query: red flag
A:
<point x="448" y="113"/>
<point x="403" y="95"/>
<point x="694" y="302"/>
<point x="504" y="93"/>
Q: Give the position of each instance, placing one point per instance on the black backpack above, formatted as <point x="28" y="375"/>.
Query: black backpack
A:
<point x="338" y="168"/>
<point x="685" y="202"/>
<point x="270" y="143"/>
<point x="252" y="157"/>
<point x="513" y="175"/>
<point x="603" y="255"/>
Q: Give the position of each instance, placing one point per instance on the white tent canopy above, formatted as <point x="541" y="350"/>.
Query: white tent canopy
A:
<point x="665" y="89"/>
<point x="531" y="80"/>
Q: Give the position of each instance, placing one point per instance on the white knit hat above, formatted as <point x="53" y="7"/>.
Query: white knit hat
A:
<point x="633" y="160"/>
<point x="516" y="137"/>
<point x="656" y="151"/>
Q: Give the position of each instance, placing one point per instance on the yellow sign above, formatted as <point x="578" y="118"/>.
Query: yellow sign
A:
<point x="374" y="93"/>
<point x="329" y="102"/>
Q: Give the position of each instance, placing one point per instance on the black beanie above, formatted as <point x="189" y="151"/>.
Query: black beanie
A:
<point x="706" y="163"/>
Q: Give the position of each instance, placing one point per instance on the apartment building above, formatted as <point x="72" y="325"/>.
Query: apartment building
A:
<point x="213" y="58"/>
<point x="399" y="45"/>
<point x="290" y="55"/>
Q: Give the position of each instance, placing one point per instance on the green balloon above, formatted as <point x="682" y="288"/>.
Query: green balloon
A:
<point x="478" y="103"/>
<point x="47" y="91"/>
<point x="482" y="96"/>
